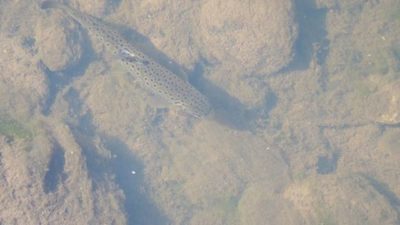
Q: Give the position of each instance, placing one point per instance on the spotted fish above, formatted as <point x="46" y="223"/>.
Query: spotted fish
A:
<point x="149" y="72"/>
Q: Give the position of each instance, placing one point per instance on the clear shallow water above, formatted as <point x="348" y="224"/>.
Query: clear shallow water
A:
<point x="293" y="140"/>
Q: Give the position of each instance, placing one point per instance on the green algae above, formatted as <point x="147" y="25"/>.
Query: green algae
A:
<point x="14" y="129"/>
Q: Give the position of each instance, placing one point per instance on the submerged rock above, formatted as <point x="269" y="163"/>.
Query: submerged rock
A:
<point x="60" y="45"/>
<point x="383" y="106"/>
<point x="350" y="199"/>
<point x="253" y="35"/>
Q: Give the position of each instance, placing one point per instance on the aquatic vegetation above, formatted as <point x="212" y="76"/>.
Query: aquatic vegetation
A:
<point x="13" y="129"/>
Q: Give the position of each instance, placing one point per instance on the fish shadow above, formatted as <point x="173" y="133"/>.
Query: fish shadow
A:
<point x="227" y="109"/>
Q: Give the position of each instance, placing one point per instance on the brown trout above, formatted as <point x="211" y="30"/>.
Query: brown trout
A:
<point x="149" y="72"/>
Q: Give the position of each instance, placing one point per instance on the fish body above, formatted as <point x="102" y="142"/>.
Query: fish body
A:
<point x="149" y="72"/>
